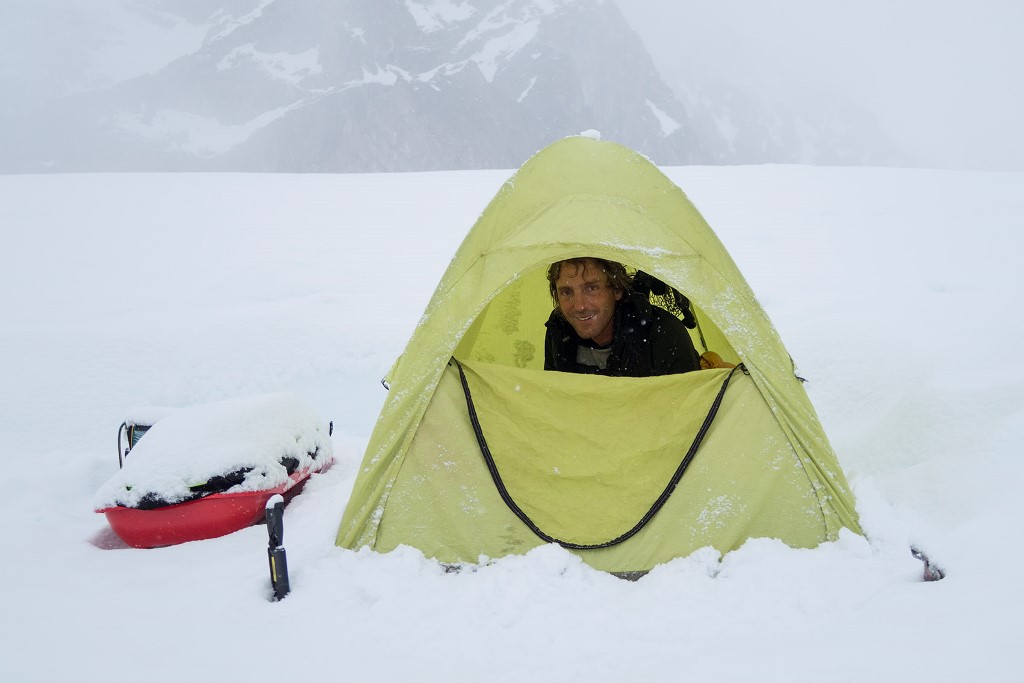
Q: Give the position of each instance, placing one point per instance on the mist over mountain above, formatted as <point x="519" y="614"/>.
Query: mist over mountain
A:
<point x="371" y="85"/>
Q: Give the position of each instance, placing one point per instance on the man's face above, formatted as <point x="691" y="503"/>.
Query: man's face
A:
<point x="587" y="301"/>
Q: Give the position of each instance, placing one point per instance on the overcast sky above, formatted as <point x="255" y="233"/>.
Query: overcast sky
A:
<point x="944" y="77"/>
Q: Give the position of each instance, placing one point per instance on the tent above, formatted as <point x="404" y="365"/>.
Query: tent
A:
<point x="479" y="453"/>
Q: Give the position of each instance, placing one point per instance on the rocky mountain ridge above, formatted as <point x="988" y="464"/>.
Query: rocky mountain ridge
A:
<point x="402" y="85"/>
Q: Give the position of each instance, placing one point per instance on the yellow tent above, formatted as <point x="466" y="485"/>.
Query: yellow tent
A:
<point x="480" y="453"/>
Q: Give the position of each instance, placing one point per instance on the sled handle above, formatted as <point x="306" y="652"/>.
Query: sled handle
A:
<point x="123" y="429"/>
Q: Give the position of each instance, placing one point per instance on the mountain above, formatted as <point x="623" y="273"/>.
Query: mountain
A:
<point x="819" y="128"/>
<point x="371" y="85"/>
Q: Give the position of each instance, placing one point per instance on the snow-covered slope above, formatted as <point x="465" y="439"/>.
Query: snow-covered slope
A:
<point x="895" y="291"/>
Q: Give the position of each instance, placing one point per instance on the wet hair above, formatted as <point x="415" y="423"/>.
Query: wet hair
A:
<point x="618" y="278"/>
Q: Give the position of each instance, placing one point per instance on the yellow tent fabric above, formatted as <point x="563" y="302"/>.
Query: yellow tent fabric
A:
<point x="765" y="469"/>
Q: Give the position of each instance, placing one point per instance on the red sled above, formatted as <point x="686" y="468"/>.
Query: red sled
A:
<point x="214" y="507"/>
<point x="218" y="514"/>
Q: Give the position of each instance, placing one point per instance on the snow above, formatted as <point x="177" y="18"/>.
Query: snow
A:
<point x="388" y="75"/>
<point x="896" y="291"/>
<point x="357" y="33"/>
<point x="283" y="66"/>
<point x="227" y="24"/>
<point x="667" y="124"/>
<point x="527" y="89"/>
<point x="507" y="29"/>
<point x="194" y="444"/>
<point x="200" y="135"/>
<point x="436" y="15"/>
<point x="147" y="415"/>
<point x="501" y="48"/>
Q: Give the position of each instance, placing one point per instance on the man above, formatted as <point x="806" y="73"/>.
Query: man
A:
<point x="600" y="326"/>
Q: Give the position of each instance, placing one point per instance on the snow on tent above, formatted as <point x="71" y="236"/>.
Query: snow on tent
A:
<point x="480" y="453"/>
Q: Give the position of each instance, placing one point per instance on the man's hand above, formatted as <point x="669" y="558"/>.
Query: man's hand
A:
<point x="710" y="360"/>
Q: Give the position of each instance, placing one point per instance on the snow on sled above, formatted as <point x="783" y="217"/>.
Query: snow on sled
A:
<point x="209" y="470"/>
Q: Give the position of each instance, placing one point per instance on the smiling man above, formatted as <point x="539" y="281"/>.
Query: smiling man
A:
<point x="601" y="326"/>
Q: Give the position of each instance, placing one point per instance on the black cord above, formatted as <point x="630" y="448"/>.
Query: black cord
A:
<point x="658" y="504"/>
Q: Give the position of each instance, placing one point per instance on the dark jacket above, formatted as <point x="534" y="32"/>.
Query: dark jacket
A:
<point x="648" y="341"/>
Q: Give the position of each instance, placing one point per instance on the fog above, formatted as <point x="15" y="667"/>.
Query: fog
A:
<point x="943" y="78"/>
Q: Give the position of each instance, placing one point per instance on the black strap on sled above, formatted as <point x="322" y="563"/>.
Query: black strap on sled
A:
<point x="658" y="504"/>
